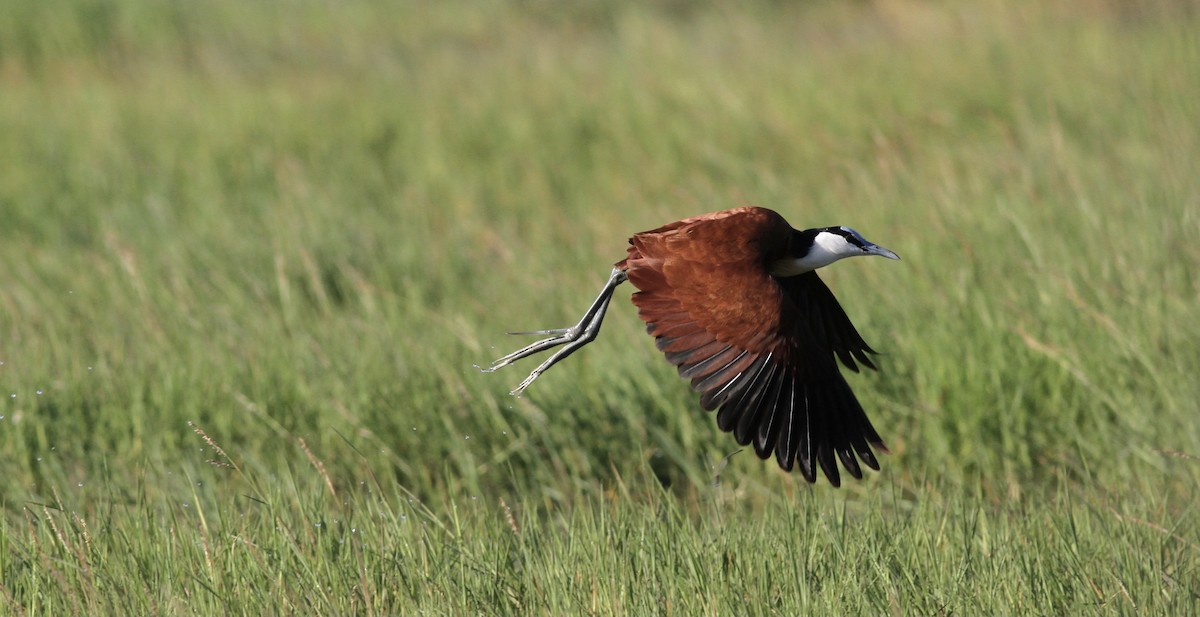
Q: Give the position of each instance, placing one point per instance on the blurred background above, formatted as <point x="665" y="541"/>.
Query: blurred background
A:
<point x="279" y="236"/>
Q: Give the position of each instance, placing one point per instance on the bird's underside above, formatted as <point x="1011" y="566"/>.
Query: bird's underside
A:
<point x="759" y="349"/>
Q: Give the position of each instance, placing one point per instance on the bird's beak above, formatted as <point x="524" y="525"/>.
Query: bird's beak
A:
<point x="875" y="249"/>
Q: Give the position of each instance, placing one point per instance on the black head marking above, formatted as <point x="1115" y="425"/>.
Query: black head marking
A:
<point x="802" y="241"/>
<point x="850" y="235"/>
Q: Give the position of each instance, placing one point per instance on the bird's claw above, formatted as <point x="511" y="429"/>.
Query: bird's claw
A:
<point x="573" y="338"/>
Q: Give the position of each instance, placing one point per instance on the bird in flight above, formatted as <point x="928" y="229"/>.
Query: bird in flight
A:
<point x="733" y="300"/>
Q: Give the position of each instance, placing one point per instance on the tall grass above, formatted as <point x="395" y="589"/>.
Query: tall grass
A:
<point x="250" y="253"/>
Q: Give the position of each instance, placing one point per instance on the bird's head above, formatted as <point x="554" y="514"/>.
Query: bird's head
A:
<point x="815" y="248"/>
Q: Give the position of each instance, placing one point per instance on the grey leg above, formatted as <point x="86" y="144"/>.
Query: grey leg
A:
<point x="573" y="338"/>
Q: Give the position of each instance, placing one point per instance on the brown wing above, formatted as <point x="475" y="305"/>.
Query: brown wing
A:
<point x="760" y="350"/>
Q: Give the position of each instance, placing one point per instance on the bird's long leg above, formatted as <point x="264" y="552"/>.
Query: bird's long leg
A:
<point x="573" y="338"/>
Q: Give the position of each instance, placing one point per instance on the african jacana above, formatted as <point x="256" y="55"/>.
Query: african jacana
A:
<point x="734" y="301"/>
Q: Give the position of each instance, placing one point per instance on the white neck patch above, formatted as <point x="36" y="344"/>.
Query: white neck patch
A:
<point x="826" y="249"/>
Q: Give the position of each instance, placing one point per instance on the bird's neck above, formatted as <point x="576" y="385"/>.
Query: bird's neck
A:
<point x="825" y="249"/>
<point x="794" y="266"/>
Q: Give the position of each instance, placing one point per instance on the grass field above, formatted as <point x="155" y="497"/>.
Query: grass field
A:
<point x="251" y="251"/>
